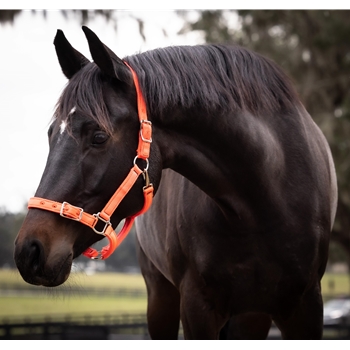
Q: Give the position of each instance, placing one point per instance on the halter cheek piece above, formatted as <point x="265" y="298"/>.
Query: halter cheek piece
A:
<point x="69" y="211"/>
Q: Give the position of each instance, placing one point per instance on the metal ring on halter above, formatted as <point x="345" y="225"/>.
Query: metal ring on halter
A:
<point x="106" y="224"/>
<point x="146" y="160"/>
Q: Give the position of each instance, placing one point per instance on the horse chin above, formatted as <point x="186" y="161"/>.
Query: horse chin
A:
<point x="49" y="275"/>
<point x="59" y="274"/>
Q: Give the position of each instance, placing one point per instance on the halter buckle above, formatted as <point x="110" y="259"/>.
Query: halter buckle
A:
<point x="107" y="224"/>
<point x="81" y="210"/>
<point x="99" y="257"/>
<point x="144" y="139"/>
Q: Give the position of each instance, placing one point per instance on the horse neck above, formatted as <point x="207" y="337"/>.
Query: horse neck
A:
<point x="207" y="149"/>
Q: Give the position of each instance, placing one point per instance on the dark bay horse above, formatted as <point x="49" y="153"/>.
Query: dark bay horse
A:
<point x="241" y="219"/>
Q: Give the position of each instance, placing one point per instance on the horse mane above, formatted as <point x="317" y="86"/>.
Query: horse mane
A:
<point x="84" y="93"/>
<point x="210" y="78"/>
<point x="214" y="78"/>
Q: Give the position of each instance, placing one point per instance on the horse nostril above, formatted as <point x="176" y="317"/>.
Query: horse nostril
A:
<point x="35" y="256"/>
<point x="30" y="260"/>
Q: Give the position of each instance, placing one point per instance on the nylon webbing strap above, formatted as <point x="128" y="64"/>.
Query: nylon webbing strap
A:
<point x="145" y="136"/>
<point x="120" y="193"/>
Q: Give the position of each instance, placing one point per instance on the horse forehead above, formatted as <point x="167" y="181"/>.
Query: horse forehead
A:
<point x="63" y="126"/>
<point x="64" y="122"/>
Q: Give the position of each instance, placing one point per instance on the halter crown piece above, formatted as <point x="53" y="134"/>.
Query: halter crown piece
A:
<point x="69" y="211"/>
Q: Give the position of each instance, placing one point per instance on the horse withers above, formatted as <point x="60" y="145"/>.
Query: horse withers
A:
<point x="242" y="213"/>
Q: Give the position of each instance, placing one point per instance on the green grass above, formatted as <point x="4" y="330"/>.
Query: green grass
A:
<point x="80" y="279"/>
<point x="46" y="305"/>
<point x="340" y="282"/>
<point x="63" y="300"/>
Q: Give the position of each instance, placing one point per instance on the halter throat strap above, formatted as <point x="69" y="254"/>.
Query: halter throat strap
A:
<point x="72" y="212"/>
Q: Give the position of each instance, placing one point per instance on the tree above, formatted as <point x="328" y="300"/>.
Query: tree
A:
<point x="8" y="16"/>
<point x="83" y="16"/>
<point x="313" y="47"/>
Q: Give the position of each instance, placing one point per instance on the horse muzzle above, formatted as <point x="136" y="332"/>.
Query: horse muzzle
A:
<point x="37" y="265"/>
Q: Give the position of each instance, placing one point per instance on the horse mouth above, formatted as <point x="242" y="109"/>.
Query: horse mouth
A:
<point x="46" y="274"/>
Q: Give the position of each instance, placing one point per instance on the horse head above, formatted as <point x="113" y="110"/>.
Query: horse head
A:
<point x="92" y="138"/>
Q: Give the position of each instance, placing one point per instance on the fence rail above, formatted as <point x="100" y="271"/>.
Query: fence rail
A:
<point x="106" y="327"/>
<point x="98" y="326"/>
<point x="75" y="326"/>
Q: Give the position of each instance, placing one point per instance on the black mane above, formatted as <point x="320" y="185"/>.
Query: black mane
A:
<point x="213" y="77"/>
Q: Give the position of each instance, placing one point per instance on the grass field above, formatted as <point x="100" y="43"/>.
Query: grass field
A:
<point x="48" y="305"/>
<point x="340" y="282"/>
<point x="81" y="279"/>
<point x="61" y="301"/>
<point x="335" y="284"/>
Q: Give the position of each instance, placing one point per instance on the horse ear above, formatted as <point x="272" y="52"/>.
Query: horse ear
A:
<point x="71" y="60"/>
<point x="106" y="59"/>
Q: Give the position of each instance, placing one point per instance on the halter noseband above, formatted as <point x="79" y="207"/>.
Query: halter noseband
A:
<point x="69" y="211"/>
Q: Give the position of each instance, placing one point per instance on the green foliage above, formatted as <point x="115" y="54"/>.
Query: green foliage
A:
<point x="337" y="253"/>
<point x="9" y="226"/>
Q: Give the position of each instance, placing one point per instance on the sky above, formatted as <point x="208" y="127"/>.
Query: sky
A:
<point x="31" y="79"/>
<point x="31" y="82"/>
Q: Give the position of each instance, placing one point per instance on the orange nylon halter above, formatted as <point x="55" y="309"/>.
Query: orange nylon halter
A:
<point x="69" y="211"/>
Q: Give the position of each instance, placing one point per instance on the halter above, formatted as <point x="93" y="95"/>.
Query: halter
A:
<point x="71" y="212"/>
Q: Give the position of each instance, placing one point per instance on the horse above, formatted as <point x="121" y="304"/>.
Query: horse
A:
<point x="242" y="181"/>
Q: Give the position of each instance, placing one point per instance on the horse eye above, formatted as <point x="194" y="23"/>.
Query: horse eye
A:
<point x="99" y="138"/>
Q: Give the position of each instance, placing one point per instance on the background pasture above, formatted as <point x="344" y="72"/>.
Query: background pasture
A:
<point x="102" y="292"/>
